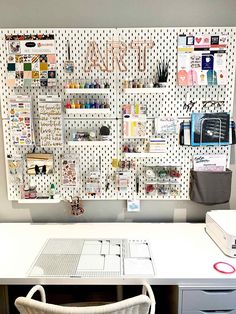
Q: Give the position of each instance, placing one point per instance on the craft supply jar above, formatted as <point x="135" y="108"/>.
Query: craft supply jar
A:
<point x="26" y="193"/>
<point x="32" y="193"/>
<point x="126" y="83"/>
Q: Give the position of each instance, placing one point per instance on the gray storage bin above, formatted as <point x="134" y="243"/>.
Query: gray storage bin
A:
<point x="210" y="187"/>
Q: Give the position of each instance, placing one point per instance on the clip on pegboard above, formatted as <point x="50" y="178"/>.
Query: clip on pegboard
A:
<point x="216" y="103"/>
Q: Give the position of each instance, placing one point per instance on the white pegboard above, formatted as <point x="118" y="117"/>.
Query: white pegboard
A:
<point x="170" y="104"/>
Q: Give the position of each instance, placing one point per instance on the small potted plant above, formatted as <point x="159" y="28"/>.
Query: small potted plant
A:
<point x="162" y="73"/>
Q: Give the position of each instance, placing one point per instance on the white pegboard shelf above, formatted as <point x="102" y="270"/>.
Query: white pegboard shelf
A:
<point x="142" y="155"/>
<point x="87" y="90"/>
<point x="168" y="183"/>
<point x="88" y="111"/>
<point x="157" y="90"/>
<point x="39" y="201"/>
<point x="160" y="102"/>
<point x="89" y="143"/>
<point x="168" y="198"/>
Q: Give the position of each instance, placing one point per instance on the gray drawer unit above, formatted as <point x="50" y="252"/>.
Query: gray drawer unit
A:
<point x="204" y="300"/>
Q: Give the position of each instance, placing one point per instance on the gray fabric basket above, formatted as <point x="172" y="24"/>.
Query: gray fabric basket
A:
<point x="210" y="187"/>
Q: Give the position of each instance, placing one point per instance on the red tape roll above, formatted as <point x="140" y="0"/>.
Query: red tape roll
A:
<point x="218" y="264"/>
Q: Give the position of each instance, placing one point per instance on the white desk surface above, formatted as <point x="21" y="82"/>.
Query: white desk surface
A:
<point x="183" y="253"/>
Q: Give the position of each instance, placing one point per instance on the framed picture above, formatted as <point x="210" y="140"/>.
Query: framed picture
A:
<point x="39" y="164"/>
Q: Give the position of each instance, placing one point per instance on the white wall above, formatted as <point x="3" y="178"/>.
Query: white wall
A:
<point x="111" y="13"/>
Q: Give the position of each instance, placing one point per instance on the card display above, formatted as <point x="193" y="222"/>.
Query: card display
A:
<point x="50" y="121"/>
<point x="202" y="60"/>
<point x="69" y="171"/>
<point x="215" y="162"/>
<point x="165" y="125"/>
<point x="31" y="60"/>
<point x="210" y="129"/>
<point x="21" y="120"/>
<point x="134" y="126"/>
<point x="15" y="170"/>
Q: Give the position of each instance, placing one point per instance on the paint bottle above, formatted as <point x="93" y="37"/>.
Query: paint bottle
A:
<point x="72" y="104"/>
<point x="52" y="190"/>
<point x="68" y="105"/>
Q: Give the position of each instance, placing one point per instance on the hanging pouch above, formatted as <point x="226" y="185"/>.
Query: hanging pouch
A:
<point x="208" y="187"/>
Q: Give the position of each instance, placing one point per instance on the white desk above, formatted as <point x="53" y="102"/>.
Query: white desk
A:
<point x="183" y="253"/>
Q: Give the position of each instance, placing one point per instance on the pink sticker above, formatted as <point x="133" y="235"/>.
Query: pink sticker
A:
<point x="192" y="77"/>
<point x="183" y="77"/>
<point x="11" y="82"/>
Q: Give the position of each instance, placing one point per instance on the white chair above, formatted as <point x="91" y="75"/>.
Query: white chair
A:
<point x="141" y="304"/>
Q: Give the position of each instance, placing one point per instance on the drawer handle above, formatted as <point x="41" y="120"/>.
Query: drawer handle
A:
<point x="215" y="312"/>
<point x="218" y="291"/>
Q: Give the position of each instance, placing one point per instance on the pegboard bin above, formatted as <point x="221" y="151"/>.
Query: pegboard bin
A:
<point x="166" y="101"/>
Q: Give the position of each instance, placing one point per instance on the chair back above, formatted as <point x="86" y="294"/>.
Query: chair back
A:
<point x="137" y="305"/>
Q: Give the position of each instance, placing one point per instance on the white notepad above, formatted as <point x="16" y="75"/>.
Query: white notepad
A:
<point x="139" y="250"/>
<point x="138" y="266"/>
<point x="91" y="262"/>
<point x="92" y="247"/>
<point x="114" y="249"/>
<point x="112" y="263"/>
<point x="105" y="247"/>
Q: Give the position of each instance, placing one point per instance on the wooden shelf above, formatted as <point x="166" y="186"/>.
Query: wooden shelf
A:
<point x="157" y="90"/>
<point x="87" y="90"/>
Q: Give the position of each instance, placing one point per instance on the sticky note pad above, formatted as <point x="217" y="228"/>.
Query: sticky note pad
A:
<point x="91" y="262"/>
<point x="27" y="74"/>
<point x="27" y="82"/>
<point x="51" y="58"/>
<point x="112" y="263"/>
<point x="43" y="66"/>
<point x="11" y="67"/>
<point x="139" y="250"/>
<point x="35" y="74"/>
<point x="92" y="248"/>
<point x="11" y="82"/>
<point x="138" y="266"/>
<point x="27" y="66"/>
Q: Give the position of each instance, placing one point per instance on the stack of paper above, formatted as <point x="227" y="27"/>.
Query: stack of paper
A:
<point x="157" y="145"/>
<point x="209" y="162"/>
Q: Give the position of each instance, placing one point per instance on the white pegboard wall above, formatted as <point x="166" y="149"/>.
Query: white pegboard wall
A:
<point x="170" y="104"/>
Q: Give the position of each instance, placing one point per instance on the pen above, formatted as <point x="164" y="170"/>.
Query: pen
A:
<point x="137" y="183"/>
<point x="75" y="276"/>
